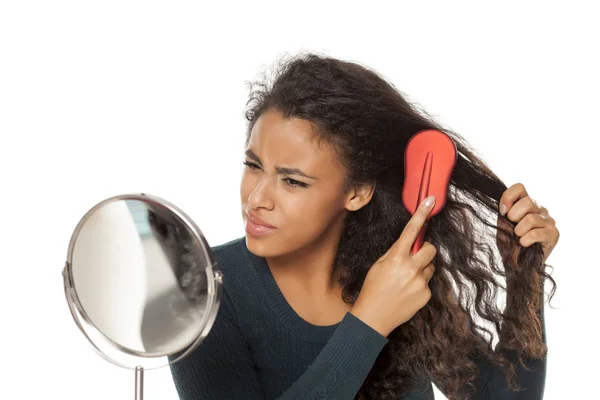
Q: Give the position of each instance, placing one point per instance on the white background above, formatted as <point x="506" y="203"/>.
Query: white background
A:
<point x="104" y="98"/>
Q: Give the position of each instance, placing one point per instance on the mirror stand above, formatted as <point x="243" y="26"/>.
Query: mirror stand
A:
<point x="139" y="383"/>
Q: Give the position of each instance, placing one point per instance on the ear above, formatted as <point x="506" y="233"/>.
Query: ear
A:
<point x="359" y="197"/>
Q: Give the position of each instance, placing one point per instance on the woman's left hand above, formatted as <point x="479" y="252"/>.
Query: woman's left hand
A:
<point x="534" y="224"/>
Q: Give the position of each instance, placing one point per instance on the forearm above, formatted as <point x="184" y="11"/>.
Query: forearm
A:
<point x="340" y="369"/>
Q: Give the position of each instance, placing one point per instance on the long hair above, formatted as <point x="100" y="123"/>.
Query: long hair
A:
<point x="369" y="122"/>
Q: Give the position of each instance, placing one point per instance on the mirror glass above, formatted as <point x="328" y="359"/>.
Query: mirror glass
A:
<point x="143" y="276"/>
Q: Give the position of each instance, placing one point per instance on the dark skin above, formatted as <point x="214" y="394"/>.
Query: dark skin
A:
<point x="307" y="212"/>
<point x="534" y="224"/>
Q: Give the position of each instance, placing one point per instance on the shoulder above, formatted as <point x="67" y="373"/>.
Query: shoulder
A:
<point x="236" y="265"/>
<point x="229" y="256"/>
<point x="230" y="246"/>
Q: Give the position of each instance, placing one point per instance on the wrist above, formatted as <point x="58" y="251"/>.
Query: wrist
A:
<point x="369" y="320"/>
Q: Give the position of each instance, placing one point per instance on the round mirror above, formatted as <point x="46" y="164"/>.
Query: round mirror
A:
<point x="141" y="281"/>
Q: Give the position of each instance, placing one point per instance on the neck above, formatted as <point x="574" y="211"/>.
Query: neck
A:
<point x="310" y="268"/>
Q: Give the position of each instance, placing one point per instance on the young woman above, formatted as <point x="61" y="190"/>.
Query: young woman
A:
<point x="323" y="298"/>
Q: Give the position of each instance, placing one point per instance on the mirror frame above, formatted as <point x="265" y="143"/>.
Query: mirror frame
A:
<point x="107" y="348"/>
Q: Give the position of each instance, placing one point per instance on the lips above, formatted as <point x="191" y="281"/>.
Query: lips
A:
<point x="257" y="221"/>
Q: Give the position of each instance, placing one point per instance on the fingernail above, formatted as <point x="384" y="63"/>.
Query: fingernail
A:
<point x="502" y="209"/>
<point x="429" y="201"/>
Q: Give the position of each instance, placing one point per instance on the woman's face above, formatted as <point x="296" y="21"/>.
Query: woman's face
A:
<point x="305" y="205"/>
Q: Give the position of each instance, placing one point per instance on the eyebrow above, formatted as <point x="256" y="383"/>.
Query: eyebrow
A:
<point x="280" y="170"/>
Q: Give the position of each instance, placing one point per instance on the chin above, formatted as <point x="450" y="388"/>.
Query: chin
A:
<point x="258" y="246"/>
<point x="267" y="246"/>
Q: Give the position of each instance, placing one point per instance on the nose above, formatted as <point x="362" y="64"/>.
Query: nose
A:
<point x="261" y="195"/>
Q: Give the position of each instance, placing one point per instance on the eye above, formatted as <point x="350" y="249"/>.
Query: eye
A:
<point x="291" y="182"/>
<point x="294" y="183"/>
<point x="251" y="165"/>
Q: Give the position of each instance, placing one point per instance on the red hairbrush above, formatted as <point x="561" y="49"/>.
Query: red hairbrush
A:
<point x="429" y="159"/>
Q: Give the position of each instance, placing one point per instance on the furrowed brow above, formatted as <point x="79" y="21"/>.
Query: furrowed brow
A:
<point x="281" y="170"/>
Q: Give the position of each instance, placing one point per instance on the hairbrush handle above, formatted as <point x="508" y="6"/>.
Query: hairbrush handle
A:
<point x="423" y="193"/>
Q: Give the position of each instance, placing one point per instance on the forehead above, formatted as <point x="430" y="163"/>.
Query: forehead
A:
<point x="291" y="142"/>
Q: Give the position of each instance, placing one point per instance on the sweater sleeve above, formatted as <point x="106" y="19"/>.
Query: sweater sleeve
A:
<point x="221" y="367"/>
<point x="340" y="369"/>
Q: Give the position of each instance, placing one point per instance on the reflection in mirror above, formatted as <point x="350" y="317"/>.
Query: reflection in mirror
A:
<point x="141" y="282"/>
<point x="141" y="277"/>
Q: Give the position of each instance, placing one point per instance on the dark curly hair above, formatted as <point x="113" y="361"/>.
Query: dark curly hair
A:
<point x="369" y="122"/>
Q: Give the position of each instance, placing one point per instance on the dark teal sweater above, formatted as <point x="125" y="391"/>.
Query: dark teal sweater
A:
<point x="260" y="348"/>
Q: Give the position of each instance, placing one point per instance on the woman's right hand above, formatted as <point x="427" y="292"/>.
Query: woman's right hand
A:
<point x="397" y="285"/>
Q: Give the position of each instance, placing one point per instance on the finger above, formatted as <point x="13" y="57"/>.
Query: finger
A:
<point x="410" y="232"/>
<point x="545" y="236"/>
<point x="510" y="196"/>
<point x="428" y="272"/>
<point x="424" y="256"/>
<point x="523" y="207"/>
<point x="532" y="221"/>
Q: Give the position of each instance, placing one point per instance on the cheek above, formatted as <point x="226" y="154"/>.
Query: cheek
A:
<point x="308" y="213"/>
<point x="247" y="185"/>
